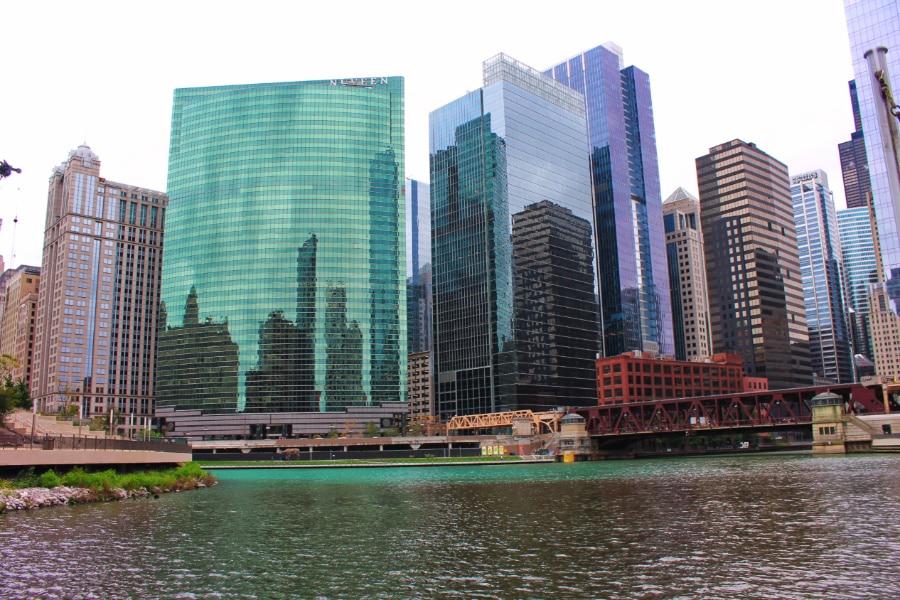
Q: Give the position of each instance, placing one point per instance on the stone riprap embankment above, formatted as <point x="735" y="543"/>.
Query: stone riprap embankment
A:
<point x="27" y="498"/>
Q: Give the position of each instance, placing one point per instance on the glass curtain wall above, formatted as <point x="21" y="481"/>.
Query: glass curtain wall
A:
<point x="284" y="276"/>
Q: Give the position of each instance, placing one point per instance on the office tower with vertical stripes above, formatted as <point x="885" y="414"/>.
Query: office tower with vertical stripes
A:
<point x="752" y="264"/>
<point x="687" y="276"/>
<point x="284" y="283"/>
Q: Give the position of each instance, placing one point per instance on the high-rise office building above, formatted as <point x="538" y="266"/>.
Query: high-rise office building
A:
<point x="418" y="267"/>
<point x="819" y="244"/>
<point x="884" y="328"/>
<point x="752" y="265"/>
<point x="854" y="164"/>
<point x="284" y="285"/>
<point x="874" y="24"/>
<point x="95" y="335"/>
<point x="421" y="400"/>
<point x="19" y="300"/>
<point x="633" y="271"/>
<point x="687" y="276"/>
<point x="4" y="274"/>
<point x="515" y="295"/>
<point x="861" y="269"/>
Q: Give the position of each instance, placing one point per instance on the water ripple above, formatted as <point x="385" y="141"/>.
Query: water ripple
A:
<point x="750" y="527"/>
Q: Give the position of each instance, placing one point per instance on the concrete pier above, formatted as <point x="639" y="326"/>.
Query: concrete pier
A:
<point x="836" y="431"/>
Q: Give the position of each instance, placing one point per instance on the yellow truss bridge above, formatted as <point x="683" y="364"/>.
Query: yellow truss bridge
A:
<point x="539" y="420"/>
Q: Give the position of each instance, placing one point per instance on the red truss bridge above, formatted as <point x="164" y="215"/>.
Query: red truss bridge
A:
<point x="759" y="410"/>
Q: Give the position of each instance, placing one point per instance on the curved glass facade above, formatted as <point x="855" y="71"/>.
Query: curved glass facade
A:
<point x="284" y="281"/>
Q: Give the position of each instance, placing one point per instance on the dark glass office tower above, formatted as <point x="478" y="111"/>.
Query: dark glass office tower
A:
<point x="752" y="264"/>
<point x="634" y="280"/>
<point x="515" y="297"/>
<point x="821" y="264"/>
<point x="418" y="267"/>
<point x="554" y="296"/>
<point x="284" y="282"/>
<point x="859" y="248"/>
<point x="854" y="164"/>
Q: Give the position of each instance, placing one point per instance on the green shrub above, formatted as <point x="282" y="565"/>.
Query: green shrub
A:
<point x="136" y="481"/>
<point x="27" y="479"/>
<point x="50" y="479"/>
<point x="101" y="482"/>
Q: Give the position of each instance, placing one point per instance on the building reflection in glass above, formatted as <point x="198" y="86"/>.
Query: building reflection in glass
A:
<point x="287" y="213"/>
<point x="343" y="366"/>
<point x="385" y="206"/>
<point x="556" y="311"/>
<point x="514" y="285"/>
<point x="199" y="351"/>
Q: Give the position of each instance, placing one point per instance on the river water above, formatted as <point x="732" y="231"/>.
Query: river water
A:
<point x="751" y="526"/>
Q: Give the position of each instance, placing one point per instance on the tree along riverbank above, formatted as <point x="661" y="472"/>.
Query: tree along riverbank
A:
<point x="29" y="490"/>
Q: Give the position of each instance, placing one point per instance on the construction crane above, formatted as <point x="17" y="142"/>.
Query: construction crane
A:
<point x="7" y="169"/>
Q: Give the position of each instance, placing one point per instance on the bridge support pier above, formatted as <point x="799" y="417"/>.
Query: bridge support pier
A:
<point x="828" y="424"/>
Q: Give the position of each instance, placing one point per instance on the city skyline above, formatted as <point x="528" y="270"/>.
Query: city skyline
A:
<point x="692" y="109"/>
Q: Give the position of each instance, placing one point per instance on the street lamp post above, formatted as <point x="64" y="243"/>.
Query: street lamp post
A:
<point x="80" y="414"/>
<point x="33" y="420"/>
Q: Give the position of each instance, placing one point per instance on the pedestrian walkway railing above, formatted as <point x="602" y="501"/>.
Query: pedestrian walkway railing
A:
<point x="75" y="442"/>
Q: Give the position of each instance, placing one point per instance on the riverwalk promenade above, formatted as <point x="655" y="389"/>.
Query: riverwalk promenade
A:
<point x="59" y="443"/>
<point x="38" y="457"/>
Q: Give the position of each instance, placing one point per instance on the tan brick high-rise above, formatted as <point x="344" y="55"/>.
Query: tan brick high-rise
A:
<point x="96" y="325"/>
<point x="19" y="299"/>
<point x="687" y="276"/>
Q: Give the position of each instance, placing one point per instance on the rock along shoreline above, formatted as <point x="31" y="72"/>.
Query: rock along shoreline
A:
<point x="29" y="498"/>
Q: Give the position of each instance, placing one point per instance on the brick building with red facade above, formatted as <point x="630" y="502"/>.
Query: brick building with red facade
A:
<point x="638" y="377"/>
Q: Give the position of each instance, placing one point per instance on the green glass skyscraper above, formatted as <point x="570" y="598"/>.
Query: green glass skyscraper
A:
<point x="284" y="270"/>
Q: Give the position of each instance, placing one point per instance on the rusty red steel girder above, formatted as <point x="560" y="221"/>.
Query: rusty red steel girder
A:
<point x="744" y="410"/>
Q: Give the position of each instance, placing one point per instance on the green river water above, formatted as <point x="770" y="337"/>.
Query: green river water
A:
<point x="751" y="526"/>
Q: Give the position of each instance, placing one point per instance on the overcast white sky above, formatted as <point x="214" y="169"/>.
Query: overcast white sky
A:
<point x="773" y="72"/>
